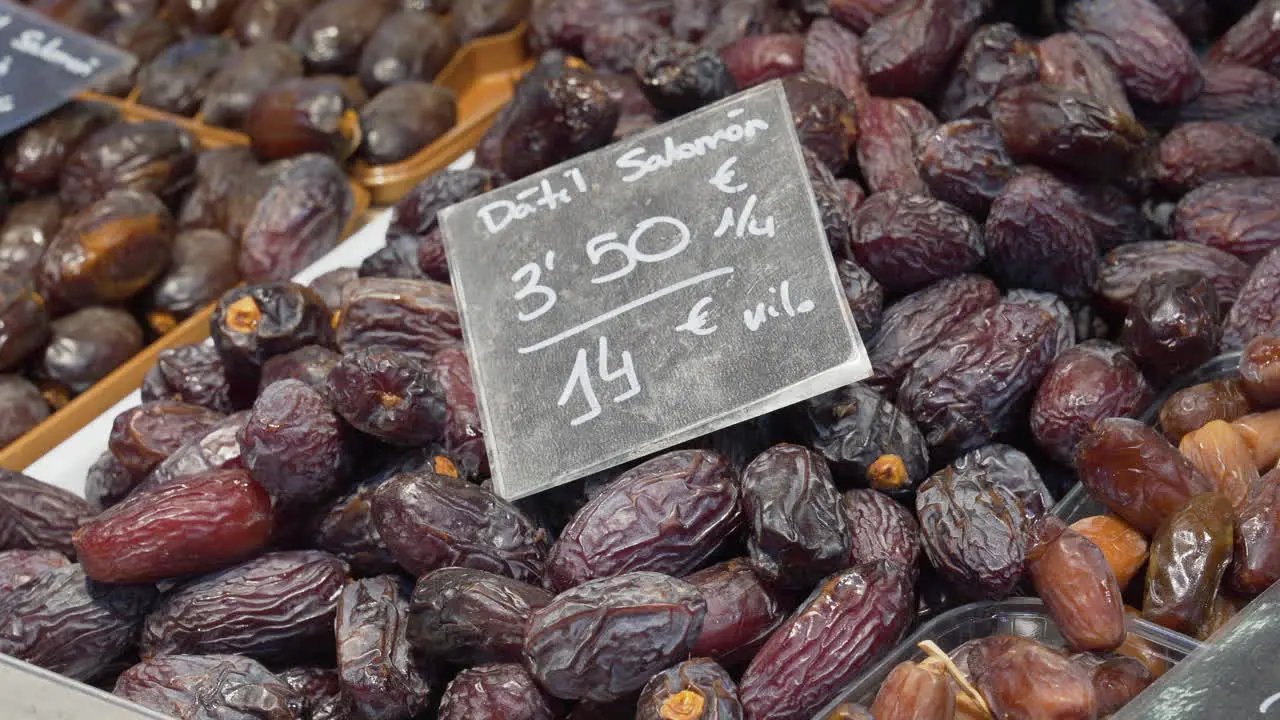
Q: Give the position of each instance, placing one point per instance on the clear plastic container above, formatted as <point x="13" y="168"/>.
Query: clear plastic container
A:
<point x="1026" y="617"/>
<point x="1077" y="504"/>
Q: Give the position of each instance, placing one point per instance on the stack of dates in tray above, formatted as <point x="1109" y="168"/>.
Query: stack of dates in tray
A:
<point x="1067" y="210"/>
<point x="343" y="77"/>
<point x="114" y="232"/>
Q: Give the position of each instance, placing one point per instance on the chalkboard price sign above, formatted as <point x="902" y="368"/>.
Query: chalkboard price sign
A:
<point x="666" y="286"/>
<point x="44" y="64"/>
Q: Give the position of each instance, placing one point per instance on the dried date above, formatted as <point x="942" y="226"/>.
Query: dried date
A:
<point x="742" y="611"/>
<point x="190" y="687"/>
<point x="388" y="395"/>
<point x="1231" y="215"/>
<point x="378" y="672"/>
<point x="797" y="532"/>
<point x="254" y="323"/>
<point x="846" y="624"/>
<point x="832" y="53"/>
<point x="143" y="436"/>
<point x="882" y="529"/>
<point x="606" y="638"/>
<point x="293" y="444"/>
<point x="996" y="57"/>
<point x="232" y="91"/>
<point x="429" y="521"/>
<point x="403" y="119"/>
<point x="24" y="321"/>
<point x="1038" y="238"/>
<point x="908" y="51"/>
<point x="867" y="440"/>
<point x="177" y="80"/>
<point x="217" y="449"/>
<point x="198" y="524"/>
<point x="912" y="691"/>
<point x="1198" y="153"/>
<point x="965" y="163"/>
<point x="1258" y="306"/>
<point x="22" y="408"/>
<point x="1068" y="61"/>
<point x="87" y="345"/>
<point x="1088" y="382"/>
<point x="301" y="216"/>
<point x="152" y="156"/>
<point x="415" y="317"/>
<point x="826" y="121"/>
<point x="64" y="622"/>
<point x="626" y="527"/>
<point x="34" y="156"/>
<point x="1173" y="325"/>
<point x="1136" y="473"/>
<point x="495" y="692"/>
<point x="1013" y="682"/>
<point x="909" y="241"/>
<point x="1189" y="556"/>
<point x="1071" y="574"/>
<point x="470" y="616"/>
<point x="1125" y="268"/>
<point x="332" y="34"/>
<point x="694" y="688"/>
<point x="1256" y="554"/>
<point x="1152" y="57"/>
<point x="887" y="132"/>
<point x="278" y="607"/>
<point x="757" y="59"/>
<point x="407" y="46"/>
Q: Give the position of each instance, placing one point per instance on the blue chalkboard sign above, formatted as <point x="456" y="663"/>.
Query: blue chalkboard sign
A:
<point x="44" y="64"/>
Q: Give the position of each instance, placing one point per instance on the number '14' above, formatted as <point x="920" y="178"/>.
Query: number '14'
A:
<point x="580" y="380"/>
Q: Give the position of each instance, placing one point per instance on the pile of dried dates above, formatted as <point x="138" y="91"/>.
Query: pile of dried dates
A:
<point x="340" y="77"/>
<point x="1045" y="215"/>
<point x="114" y="232"/>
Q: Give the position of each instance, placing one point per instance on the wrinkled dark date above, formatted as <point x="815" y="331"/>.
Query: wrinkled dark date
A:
<point x="1126" y="267"/>
<point x="1088" y="382"/>
<point x="19" y="567"/>
<point x="377" y="669"/>
<point x="85" y="346"/>
<point x="1173" y="325"/>
<point x="415" y="317"/>
<point x="1231" y="215"/>
<point x="797" y="532"/>
<point x="742" y="611"/>
<point x="845" y="625"/>
<point x="144" y="436"/>
<point x="429" y="521"/>
<point x="64" y="622"/>
<point x="495" y="692"/>
<point x="965" y="163"/>
<point x="887" y="132"/>
<point x="699" y="687"/>
<point x="470" y="616"/>
<point x="907" y="52"/>
<point x="627" y="526"/>
<point x="278" y="607"/>
<point x="293" y="444"/>
<point x="866" y="440"/>
<point x="607" y="638"/>
<point x="997" y="57"/>
<point x="909" y="241"/>
<point x="1038" y="237"/>
<point x="1151" y="55"/>
<point x="222" y="685"/>
<point x="1258" y="306"/>
<point x="300" y="217"/>
<point x="388" y="395"/>
<point x="38" y="516"/>
<point x="882" y="529"/>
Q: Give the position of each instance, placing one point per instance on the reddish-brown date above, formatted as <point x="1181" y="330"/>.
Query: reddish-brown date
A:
<point x="908" y="51"/>
<point x="1260" y="370"/>
<point x="495" y="692"/>
<point x="403" y="119"/>
<point x="913" y="692"/>
<point x="1232" y="215"/>
<point x="19" y="567"/>
<point x="1066" y="129"/>
<point x="1152" y="57"/>
<point x="912" y="325"/>
<point x="909" y="241"/>
<point x="302" y="214"/>
<point x="1072" y="576"/>
<point x="293" y="444"/>
<point x="628" y="526"/>
<point x="388" y="395"/>
<point x="832" y="53"/>
<point x="302" y="115"/>
<point x="430" y="521"/>
<point x="965" y="163"/>
<point x="1193" y="407"/>
<point x="996" y="57"/>
<point x="846" y="624"/>
<point x="1068" y="61"/>
<point x="310" y="364"/>
<point x="1118" y="680"/>
<point x="1256" y="557"/>
<point x="1086" y="383"/>
<point x="797" y="533"/>
<point x="378" y="671"/>
<point x="1251" y="41"/>
<point x="345" y="527"/>
<point x="278" y="607"/>
<point x="38" y="516"/>
<point x="757" y="59"/>
<point x="1218" y="451"/>
<point x="1136" y="473"/>
<point x="978" y="380"/>
<point x="415" y="213"/>
<point x="229" y="686"/>
<point x="143" y="436"/>
<point x="1258" y="306"/>
<point x="605" y="638"/>
<point x="1173" y="325"/>
<point x="198" y="524"/>
<point x="1038" y="237"/>
<point x="858" y="15"/>
<point x="887" y="132"/>
<point x="109" y="252"/>
<point x="1022" y="678"/>
<point x="463" y="434"/>
<point x="1236" y="94"/>
<point x="742" y="611"/>
<point x="1125" y="268"/>
<point x="697" y="688"/>
<point x="1189" y="556"/>
<point x="67" y="623"/>
<point x="467" y="616"/>
<point x="1197" y="153"/>
<point x="203" y="266"/>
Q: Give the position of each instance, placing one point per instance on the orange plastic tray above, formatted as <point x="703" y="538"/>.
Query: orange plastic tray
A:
<point x="128" y="377"/>
<point x="482" y="75"/>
